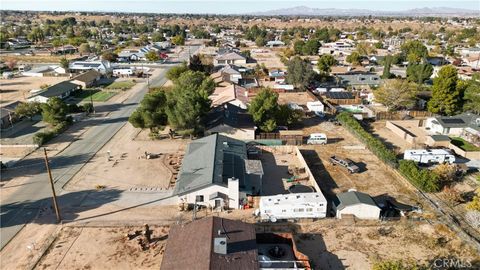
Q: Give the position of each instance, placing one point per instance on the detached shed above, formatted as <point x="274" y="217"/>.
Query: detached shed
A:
<point x="356" y="203"/>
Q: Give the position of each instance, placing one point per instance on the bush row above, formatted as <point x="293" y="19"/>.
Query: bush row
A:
<point x="373" y="144"/>
<point x="41" y="138"/>
<point x="424" y="179"/>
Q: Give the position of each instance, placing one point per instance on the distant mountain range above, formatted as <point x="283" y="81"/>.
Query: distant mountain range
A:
<point x="418" y="12"/>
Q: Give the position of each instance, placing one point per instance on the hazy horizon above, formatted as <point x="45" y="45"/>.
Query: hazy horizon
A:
<point x="224" y="7"/>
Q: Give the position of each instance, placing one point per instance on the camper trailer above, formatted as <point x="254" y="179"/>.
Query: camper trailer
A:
<point x="429" y="156"/>
<point x="317" y="138"/>
<point x="293" y="206"/>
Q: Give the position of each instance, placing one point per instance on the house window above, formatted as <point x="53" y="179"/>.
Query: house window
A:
<point x="309" y="209"/>
<point x="284" y="211"/>
<point x="199" y="198"/>
<point x="299" y="210"/>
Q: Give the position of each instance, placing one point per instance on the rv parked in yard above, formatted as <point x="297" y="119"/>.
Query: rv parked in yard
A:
<point x="317" y="138"/>
<point x="429" y="156"/>
<point x="293" y="206"/>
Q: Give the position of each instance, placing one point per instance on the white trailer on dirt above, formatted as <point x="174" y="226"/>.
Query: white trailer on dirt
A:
<point x="293" y="206"/>
<point x="429" y="156"/>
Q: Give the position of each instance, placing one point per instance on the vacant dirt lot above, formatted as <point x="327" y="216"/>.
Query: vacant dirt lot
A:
<point x="333" y="244"/>
<point x="127" y="168"/>
<point x="270" y="59"/>
<point x="374" y="177"/>
<point x="19" y="88"/>
<point x="301" y="98"/>
<point x="104" y="248"/>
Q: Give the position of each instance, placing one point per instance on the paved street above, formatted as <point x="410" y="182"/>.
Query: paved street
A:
<point x="24" y="205"/>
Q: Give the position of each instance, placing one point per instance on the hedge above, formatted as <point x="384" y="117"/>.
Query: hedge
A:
<point x="41" y="138"/>
<point x="372" y="143"/>
<point x="424" y="179"/>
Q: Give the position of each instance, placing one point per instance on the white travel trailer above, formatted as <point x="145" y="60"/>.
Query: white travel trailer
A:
<point x="293" y="206"/>
<point x="429" y="156"/>
<point x="317" y="138"/>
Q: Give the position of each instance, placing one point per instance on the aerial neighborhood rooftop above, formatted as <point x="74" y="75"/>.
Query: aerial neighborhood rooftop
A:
<point x="296" y="138"/>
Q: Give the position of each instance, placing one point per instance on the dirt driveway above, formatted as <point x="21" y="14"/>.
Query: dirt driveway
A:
<point x="374" y="177"/>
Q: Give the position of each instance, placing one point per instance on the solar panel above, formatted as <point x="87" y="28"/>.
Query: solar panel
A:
<point x="340" y="95"/>
<point x="453" y="121"/>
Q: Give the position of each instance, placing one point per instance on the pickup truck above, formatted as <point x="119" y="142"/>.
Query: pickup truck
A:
<point x="347" y="163"/>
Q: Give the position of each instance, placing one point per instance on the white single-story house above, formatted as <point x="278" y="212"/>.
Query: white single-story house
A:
<point x="214" y="174"/>
<point x="101" y="66"/>
<point x="356" y="203"/>
<point x="87" y="79"/>
<point x="229" y="58"/>
<point x="43" y="71"/>
<point x="61" y="90"/>
<point x="452" y="125"/>
<point x="293" y="206"/>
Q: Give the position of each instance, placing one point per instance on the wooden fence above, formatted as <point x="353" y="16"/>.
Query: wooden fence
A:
<point x="400" y="115"/>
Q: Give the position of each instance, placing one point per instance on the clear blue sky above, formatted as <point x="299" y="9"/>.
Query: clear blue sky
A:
<point x="225" y="6"/>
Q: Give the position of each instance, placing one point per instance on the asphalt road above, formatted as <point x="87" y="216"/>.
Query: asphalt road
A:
<point x="24" y="205"/>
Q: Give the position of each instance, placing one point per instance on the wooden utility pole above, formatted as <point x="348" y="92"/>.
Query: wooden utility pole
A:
<point x="55" y="204"/>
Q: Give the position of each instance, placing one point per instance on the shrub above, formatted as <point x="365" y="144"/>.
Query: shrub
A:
<point x="43" y="137"/>
<point x="423" y="179"/>
<point x="373" y="144"/>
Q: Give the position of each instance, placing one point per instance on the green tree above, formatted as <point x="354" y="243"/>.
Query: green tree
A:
<point x="110" y="56"/>
<point x="311" y="47"/>
<point x="354" y="58"/>
<point x="157" y="37"/>
<point x="325" y="63"/>
<point x="64" y="63"/>
<point x="419" y="73"/>
<point x="268" y="114"/>
<point x="396" y="94"/>
<point x="386" y="68"/>
<point x="178" y="40"/>
<point x="300" y="73"/>
<point x="446" y="93"/>
<point x="28" y="109"/>
<point x="54" y="111"/>
<point x="151" y="112"/>
<point x="260" y="41"/>
<point x="176" y="71"/>
<point x="152" y="56"/>
<point x="298" y="46"/>
<point x="414" y="51"/>
<point x="472" y="97"/>
<point x="264" y="108"/>
<point x="196" y="63"/>
<point x="188" y="102"/>
<point x="84" y="48"/>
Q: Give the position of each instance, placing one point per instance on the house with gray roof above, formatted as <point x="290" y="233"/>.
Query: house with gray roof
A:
<point x="359" y="80"/>
<point x="214" y="174"/>
<point x="61" y="90"/>
<point x="229" y="58"/>
<point x="359" y="204"/>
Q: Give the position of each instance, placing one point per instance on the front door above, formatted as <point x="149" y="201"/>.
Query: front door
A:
<point x="218" y="204"/>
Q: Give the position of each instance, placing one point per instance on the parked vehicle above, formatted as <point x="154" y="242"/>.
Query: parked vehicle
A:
<point x="347" y="163"/>
<point x="317" y="138"/>
<point x="426" y="156"/>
